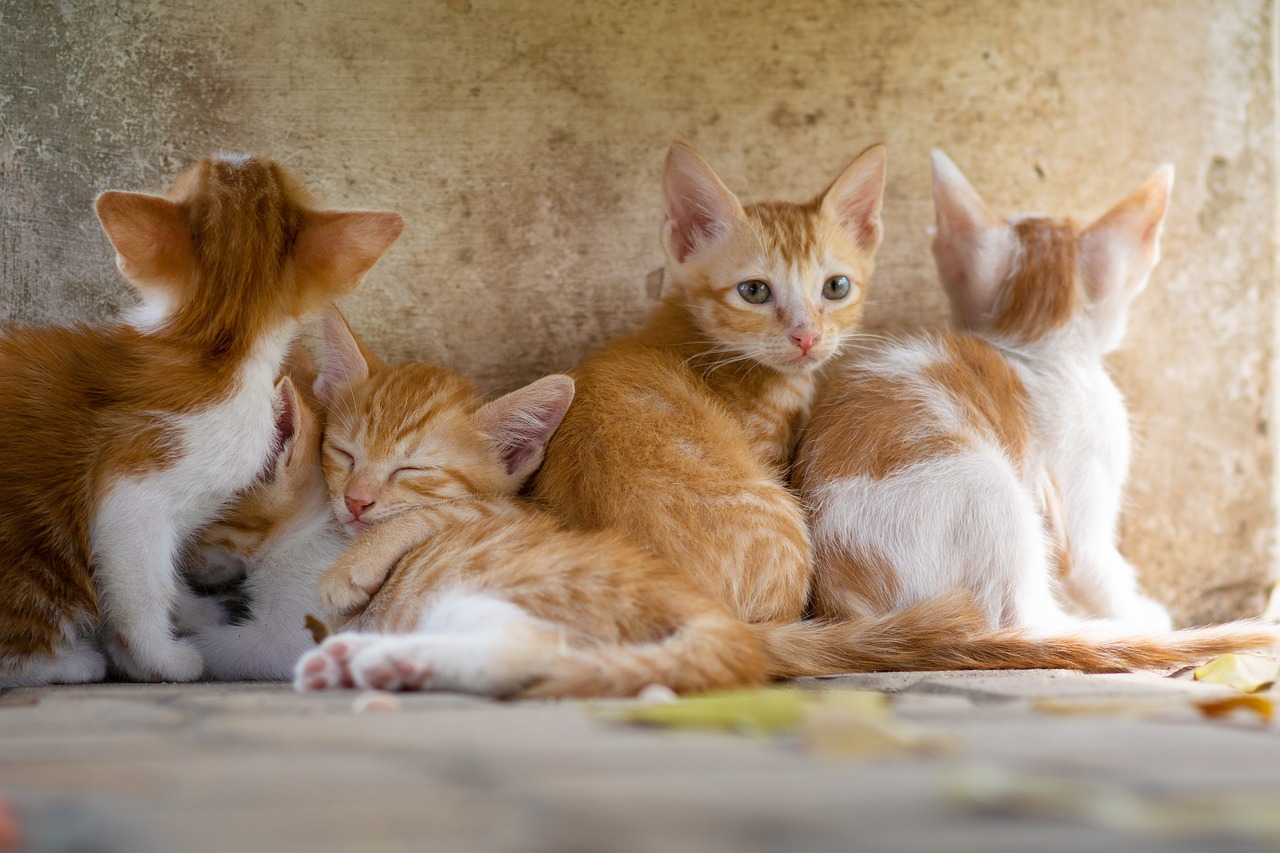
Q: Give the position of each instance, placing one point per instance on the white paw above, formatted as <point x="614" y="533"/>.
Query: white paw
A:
<point x="327" y="666"/>
<point x="400" y="663"/>
<point x="167" y="660"/>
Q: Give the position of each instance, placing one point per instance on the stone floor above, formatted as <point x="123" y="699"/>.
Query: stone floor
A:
<point x="1043" y="761"/>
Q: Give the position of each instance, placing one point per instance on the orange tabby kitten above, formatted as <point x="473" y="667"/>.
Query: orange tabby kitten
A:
<point x="488" y="595"/>
<point x="681" y="433"/>
<point x="120" y="441"/>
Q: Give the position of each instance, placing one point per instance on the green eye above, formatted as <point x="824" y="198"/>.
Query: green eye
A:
<point x="837" y="287"/>
<point x="756" y="292"/>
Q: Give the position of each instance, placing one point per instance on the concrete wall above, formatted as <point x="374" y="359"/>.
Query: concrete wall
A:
<point x="523" y="141"/>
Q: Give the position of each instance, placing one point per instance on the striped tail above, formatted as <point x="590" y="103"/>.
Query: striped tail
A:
<point x="709" y="652"/>
<point x="947" y="633"/>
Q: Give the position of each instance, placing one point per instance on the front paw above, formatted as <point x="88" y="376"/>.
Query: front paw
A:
<point x="344" y="589"/>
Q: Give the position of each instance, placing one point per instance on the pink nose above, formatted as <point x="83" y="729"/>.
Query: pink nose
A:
<point x="357" y="505"/>
<point x="804" y="340"/>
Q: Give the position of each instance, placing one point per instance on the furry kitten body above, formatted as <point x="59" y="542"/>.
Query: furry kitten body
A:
<point x="991" y="459"/>
<point x="454" y="585"/>
<point x="122" y="440"/>
<point x="680" y="434"/>
<point x="281" y="536"/>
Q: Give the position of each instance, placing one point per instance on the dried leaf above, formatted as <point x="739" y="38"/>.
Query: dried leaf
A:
<point x="1134" y="708"/>
<point x="1263" y="706"/>
<point x="318" y="629"/>
<point x="859" y="725"/>
<point x="1249" y="673"/>
<point x="755" y="711"/>
<point x="844" y="723"/>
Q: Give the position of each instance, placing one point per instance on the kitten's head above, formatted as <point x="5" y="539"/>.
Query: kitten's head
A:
<point x="403" y="436"/>
<point x="237" y="244"/>
<point x="1025" y="279"/>
<point x="290" y="485"/>
<point x="778" y="283"/>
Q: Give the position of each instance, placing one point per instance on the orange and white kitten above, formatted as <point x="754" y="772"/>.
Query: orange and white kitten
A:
<point x="488" y="595"/>
<point x="452" y="584"/>
<point x="990" y="459"/>
<point x="681" y="434"/>
<point x="146" y="427"/>
<point x="281" y="536"/>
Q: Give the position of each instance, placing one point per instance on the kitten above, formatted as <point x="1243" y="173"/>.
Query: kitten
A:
<point x="681" y="433"/>
<point x="122" y="440"/>
<point x="488" y="595"/>
<point x="281" y="536"/>
<point x="990" y="459"/>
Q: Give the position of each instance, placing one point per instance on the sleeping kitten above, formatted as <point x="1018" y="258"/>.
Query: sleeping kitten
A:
<point x="281" y="535"/>
<point x="680" y="434"/>
<point x="991" y="459"/>
<point x="488" y="595"/>
<point x="145" y="428"/>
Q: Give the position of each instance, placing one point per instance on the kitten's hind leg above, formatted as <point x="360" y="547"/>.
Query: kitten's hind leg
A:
<point x="79" y="662"/>
<point x="469" y="643"/>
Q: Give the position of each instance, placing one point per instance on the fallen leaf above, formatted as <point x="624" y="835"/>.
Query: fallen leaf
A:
<point x="1249" y="673"/>
<point x="766" y="711"/>
<point x="318" y="629"/>
<point x="1134" y="708"/>
<point x="859" y="725"/>
<point x="839" y="723"/>
<point x="1263" y="706"/>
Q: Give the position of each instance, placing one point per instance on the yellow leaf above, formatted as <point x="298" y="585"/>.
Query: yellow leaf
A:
<point x="756" y="711"/>
<point x="1263" y="706"/>
<point x="1249" y="673"/>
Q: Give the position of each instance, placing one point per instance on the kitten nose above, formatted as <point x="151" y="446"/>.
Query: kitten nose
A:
<point x="804" y="339"/>
<point x="357" y="505"/>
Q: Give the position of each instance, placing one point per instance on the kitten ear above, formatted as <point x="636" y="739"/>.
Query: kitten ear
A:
<point x="854" y="199"/>
<point x="336" y="248"/>
<point x="345" y="361"/>
<point x="699" y="209"/>
<point x="286" y="406"/>
<point x="522" y="422"/>
<point x="972" y="247"/>
<point x="1119" y="251"/>
<point x="150" y="236"/>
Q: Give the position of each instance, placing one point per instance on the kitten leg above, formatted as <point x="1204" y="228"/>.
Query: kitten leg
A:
<point x="327" y="666"/>
<point x="192" y="612"/>
<point x="78" y="662"/>
<point x="469" y="643"/>
<point x="135" y="540"/>
<point x="361" y="571"/>
<point x="1106" y="585"/>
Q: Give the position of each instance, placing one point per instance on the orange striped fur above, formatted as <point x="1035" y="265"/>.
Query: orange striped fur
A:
<point x="426" y="473"/>
<point x="680" y="434"/>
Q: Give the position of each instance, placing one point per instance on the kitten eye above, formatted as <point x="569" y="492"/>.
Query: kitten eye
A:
<point x="342" y="455"/>
<point x="755" y="291"/>
<point x="837" y="287"/>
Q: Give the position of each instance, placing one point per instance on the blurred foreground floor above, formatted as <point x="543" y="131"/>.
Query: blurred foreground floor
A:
<point x="1043" y="761"/>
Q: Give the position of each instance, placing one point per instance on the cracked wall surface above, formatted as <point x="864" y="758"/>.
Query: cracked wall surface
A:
<point x="524" y="144"/>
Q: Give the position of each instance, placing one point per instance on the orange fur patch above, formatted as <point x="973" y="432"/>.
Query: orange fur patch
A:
<point x="1041" y="294"/>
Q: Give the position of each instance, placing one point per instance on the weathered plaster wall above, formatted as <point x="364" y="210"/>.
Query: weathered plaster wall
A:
<point x="524" y="143"/>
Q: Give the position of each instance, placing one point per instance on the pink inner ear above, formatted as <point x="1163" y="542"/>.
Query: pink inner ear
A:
<point x="339" y="247"/>
<point x="699" y="208"/>
<point x="522" y="422"/>
<point x="149" y="234"/>
<point x="343" y="362"/>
